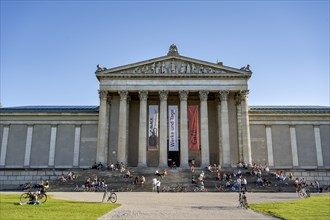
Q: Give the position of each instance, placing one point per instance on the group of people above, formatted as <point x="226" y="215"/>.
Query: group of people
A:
<point x="95" y="183"/>
<point x="70" y="176"/>
<point x="113" y="166"/>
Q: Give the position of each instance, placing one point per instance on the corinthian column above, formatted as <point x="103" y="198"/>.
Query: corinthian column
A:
<point x="225" y="129"/>
<point x="163" y="129"/>
<point x="122" y="133"/>
<point x="204" y="128"/>
<point x="102" y="128"/>
<point x="184" y="128"/>
<point x="142" y="162"/>
<point x="246" y="127"/>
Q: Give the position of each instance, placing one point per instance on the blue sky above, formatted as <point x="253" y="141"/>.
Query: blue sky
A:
<point x="50" y="49"/>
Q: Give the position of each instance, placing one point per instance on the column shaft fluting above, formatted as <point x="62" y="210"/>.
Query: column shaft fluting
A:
<point x="219" y="132"/>
<point x="239" y="127"/>
<point x="225" y="129"/>
<point x="142" y="160"/>
<point x="122" y="133"/>
<point x="163" y="129"/>
<point x="184" y="153"/>
<point x="102" y="125"/>
<point x="203" y="95"/>
<point x="246" y="128"/>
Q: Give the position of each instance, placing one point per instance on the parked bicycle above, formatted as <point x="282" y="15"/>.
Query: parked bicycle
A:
<point x="200" y="189"/>
<point x="325" y="188"/>
<point x="109" y="196"/>
<point x="128" y="188"/>
<point x="39" y="195"/>
<point x="219" y="188"/>
<point x="242" y="201"/>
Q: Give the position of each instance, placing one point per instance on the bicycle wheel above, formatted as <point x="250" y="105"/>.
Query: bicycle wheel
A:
<point x="25" y="197"/>
<point x="113" y="197"/>
<point x="106" y="195"/>
<point x="42" y="198"/>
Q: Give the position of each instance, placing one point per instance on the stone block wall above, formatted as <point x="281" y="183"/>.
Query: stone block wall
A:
<point x="11" y="179"/>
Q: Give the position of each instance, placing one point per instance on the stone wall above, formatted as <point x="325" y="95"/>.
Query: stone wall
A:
<point x="48" y="140"/>
<point x="11" y="179"/>
<point x="322" y="176"/>
<point x="285" y="141"/>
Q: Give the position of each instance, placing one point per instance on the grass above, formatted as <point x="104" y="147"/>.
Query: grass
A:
<point x="315" y="207"/>
<point x="53" y="209"/>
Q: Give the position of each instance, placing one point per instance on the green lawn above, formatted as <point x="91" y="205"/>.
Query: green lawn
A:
<point x="315" y="207"/>
<point x="53" y="209"/>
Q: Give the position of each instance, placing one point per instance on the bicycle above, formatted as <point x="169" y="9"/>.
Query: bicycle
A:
<point x="303" y="192"/>
<point x="242" y="201"/>
<point x="109" y="196"/>
<point x="326" y="188"/>
<point x="181" y="188"/>
<point x="128" y="188"/>
<point x="200" y="189"/>
<point x="219" y="188"/>
<point x="27" y="197"/>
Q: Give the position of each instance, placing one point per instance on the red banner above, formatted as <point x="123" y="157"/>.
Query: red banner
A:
<point x="193" y="128"/>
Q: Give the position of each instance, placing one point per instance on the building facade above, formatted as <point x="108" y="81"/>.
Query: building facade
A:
<point x="164" y="110"/>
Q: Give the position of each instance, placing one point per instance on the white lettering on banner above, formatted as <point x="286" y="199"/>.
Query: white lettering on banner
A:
<point x="173" y="128"/>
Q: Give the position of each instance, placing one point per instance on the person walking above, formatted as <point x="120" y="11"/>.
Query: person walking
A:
<point x="158" y="185"/>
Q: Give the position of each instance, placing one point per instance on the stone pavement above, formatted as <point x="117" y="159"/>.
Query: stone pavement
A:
<point x="199" y="205"/>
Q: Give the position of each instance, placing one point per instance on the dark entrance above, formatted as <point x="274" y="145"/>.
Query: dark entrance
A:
<point x="173" y="157"/>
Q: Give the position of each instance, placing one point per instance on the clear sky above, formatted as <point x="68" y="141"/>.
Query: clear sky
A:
<point x="50" y="49"/>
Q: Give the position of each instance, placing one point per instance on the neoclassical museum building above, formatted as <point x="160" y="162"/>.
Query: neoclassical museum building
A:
<point x="163" y="110"/>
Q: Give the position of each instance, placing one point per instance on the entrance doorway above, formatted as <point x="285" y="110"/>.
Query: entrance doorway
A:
<point x="173" y="157"/>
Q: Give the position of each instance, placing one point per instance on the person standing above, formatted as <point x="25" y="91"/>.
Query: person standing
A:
<point x="158" y="185"/>
<point x="154" y="182"/>
<point x="239" y="183"/>
<point x="317" y="184"/>
<point x="244" y="184"/>
<point x="192" y="168"/>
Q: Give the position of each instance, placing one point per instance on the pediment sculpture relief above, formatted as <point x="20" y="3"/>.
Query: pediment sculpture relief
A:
<point x="174" y="67"/>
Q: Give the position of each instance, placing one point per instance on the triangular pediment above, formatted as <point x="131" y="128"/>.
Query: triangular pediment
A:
<point x="173" y="64"/>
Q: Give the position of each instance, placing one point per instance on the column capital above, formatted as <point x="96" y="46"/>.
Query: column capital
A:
<point x="237" y="99"/>
<point x="163" y="95"/>
<point x="109" y="98"/>
<point x="244" y="94"/>
<point x="224" y="95"/>
<point x="123" y="95"/>
<point x="183" y="95"/>
<point x="203" y="95"/>
<point x="143" y="95"/>
<point x="103" y="94"/>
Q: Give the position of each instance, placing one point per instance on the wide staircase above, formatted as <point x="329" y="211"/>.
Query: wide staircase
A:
<point x="175" y="177"/>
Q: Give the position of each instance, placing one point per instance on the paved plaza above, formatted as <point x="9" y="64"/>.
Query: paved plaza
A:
<point x="148" y="205"/>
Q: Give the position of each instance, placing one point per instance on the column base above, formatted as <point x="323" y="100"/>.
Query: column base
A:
<point x="226" y="165"/>
<point x="163" y="165"/>
<point x="184" y="166"/>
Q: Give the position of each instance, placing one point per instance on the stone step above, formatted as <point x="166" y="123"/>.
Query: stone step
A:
<point x="182" y="176"/>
